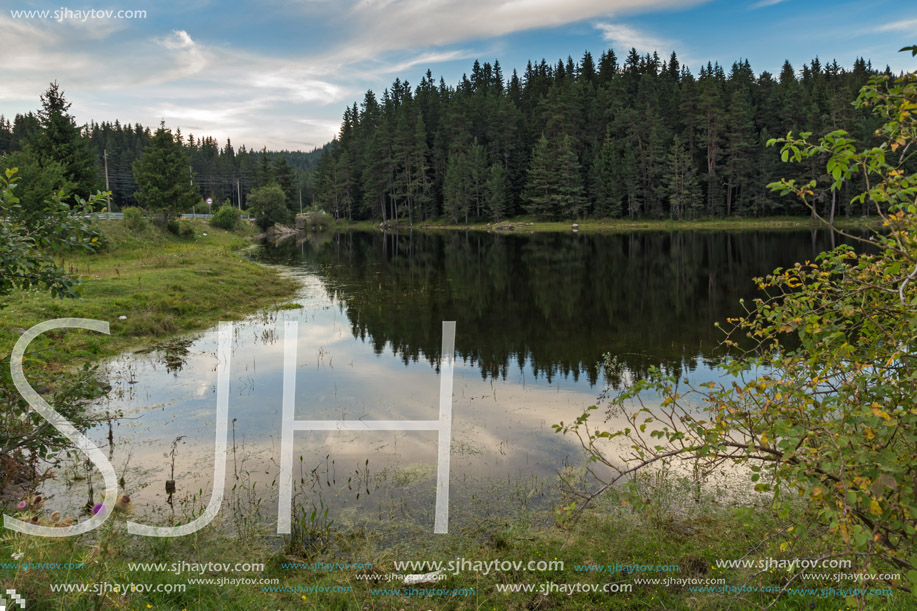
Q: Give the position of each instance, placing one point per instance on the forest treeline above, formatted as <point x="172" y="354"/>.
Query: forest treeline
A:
<point x="639" y="137"/>
<point x="32" y="142"/>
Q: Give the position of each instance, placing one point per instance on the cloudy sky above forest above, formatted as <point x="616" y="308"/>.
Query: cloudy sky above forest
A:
<point x="279" y="74"/>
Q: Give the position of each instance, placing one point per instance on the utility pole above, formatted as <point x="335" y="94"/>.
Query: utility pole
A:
<point x="239" y="194"/>
<point x="107" y="190"/>
<point x="191" y="177"/>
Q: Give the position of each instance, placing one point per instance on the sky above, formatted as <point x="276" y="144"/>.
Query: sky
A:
<point x="279" y="74"/>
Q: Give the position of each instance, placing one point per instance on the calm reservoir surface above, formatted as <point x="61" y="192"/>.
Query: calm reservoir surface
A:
<point x="534" y="314"/>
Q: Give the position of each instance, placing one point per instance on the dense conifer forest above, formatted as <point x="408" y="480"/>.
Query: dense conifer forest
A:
<point x="634" y="137"/>
<point x="221" y="173"/>
<point x="640" y="137"/>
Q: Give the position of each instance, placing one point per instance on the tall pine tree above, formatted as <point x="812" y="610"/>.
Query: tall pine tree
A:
<point x="162" y="176"/>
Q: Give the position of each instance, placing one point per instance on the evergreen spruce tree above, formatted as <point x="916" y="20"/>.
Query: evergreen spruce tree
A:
<point x="335" y="193"/>
<point x="555" y="186"/>
<point x="539" y="196"/>
<point x="632" y="186"/>
<point x="476" y="169"/>
<point x="58" y="139"/>
<point x="606" y="181"/>
<point x="378" y="173"/>
<point x="283" y="174"/>
<point x="162" y="176"/>
<point x="680" y="182"/>
<point x="495" y="192"/>
<point x="344" y="172"/>
<point x="265" y="173"/>
<point x="456" y="199"/>
<point x="738" y="166"/>
<point x="6" y="135"/>
<point x="422" y="189"/>
<point x="571" y="194"/>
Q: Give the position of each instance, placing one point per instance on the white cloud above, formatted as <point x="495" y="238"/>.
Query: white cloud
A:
<point x="285" y="99"/>
<point x="29" y="50"/>
<point x="96" y="29"/>
<point x="765" y="3"/>
<point x="625" y="37"/>
<point x="296" y="85"/>
<point x="425" y="58"/>
<point x="179" y="39"/>
<point x="385" y="25"/>
<point x="905" y="25"/>
<point x="188" y="58"/>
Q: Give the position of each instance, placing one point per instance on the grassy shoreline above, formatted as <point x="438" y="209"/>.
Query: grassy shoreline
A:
<point x="162" y="285"/>
<point x="524" y="224"/>
<point x="681" y="540"/>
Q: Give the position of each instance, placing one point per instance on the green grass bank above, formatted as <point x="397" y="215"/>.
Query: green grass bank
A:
<point x="681" y="542"/>
<point x="161" y="284"/>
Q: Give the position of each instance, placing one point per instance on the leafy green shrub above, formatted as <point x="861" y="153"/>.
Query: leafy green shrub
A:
<point x="135" y="220"/>
<point x="27" y="253"/>
<point x="226" y="218"/>
<point x="269" y="205"/>
<point x="319" y="221"/>
<point x="36" y="183"/>
<point x="821" y="411"/>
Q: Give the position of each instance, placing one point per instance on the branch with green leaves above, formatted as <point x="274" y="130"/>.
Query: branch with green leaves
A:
<point x="28" y="247"/>
<point x="819" y="411"/>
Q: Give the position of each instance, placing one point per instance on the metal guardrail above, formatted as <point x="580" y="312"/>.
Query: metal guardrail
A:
<point x="119" y="216"/>
<point x="116" y="216"/>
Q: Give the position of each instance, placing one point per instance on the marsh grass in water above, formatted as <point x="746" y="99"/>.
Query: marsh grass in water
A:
<point x="691" y="532"/>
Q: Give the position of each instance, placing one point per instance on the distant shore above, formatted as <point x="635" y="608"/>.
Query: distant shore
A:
<point x="527" y="224"/>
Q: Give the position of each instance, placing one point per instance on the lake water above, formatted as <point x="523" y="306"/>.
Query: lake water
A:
<point x="534" y="314"/>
